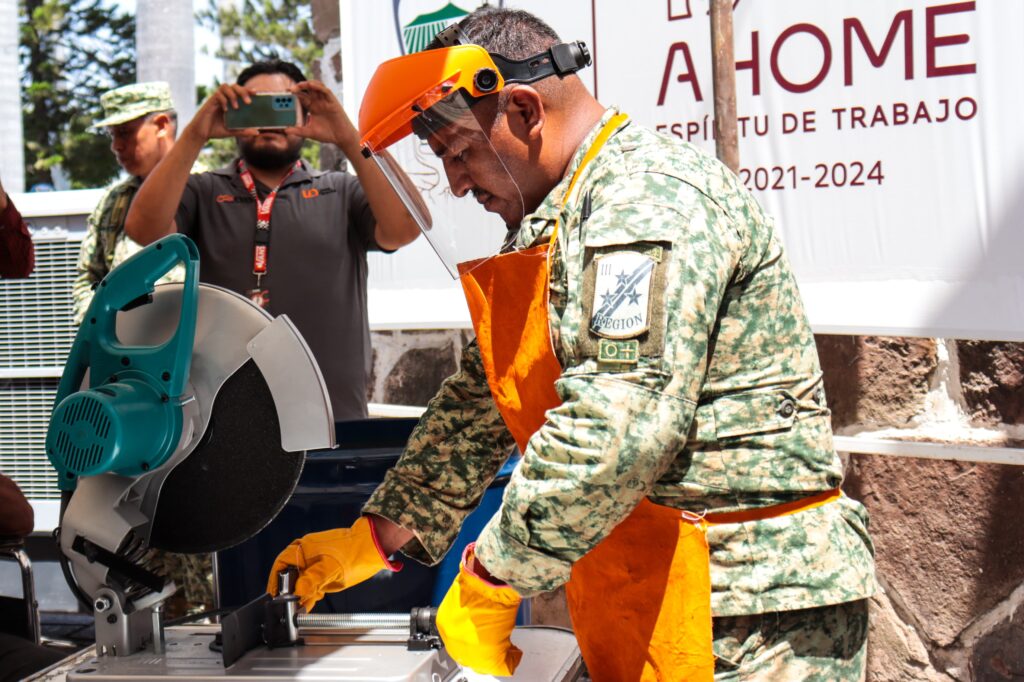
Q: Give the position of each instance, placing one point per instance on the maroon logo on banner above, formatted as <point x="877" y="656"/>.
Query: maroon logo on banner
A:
<point x="840" y="44"/>
<point x="683" y="9"/>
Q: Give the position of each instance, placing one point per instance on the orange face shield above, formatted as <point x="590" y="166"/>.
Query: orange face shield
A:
<point x="434" y="94"/>
<point x="403" y="88"/>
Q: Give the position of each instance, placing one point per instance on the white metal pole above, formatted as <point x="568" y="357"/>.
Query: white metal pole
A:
<point x="12" y="157"/>
<point x="165" y="40"/>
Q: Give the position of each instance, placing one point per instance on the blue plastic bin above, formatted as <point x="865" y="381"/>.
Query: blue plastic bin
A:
<point x="331" y="492"/>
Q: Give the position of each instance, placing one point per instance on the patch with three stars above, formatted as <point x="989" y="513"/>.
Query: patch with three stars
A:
<point x="623" y="292"/>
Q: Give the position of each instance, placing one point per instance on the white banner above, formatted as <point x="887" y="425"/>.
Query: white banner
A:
<point x="882" y="136"/>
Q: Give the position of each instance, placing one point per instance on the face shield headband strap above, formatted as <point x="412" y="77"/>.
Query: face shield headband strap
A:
<point x="561" y="60"/>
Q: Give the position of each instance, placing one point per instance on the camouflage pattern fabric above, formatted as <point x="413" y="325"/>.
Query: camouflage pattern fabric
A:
<point x="133" y="101"/>
<point x="106" y="246"/>
<point x="718" y="406"/>
<point x="193" y="575"/>
<point x="826" y="644"/>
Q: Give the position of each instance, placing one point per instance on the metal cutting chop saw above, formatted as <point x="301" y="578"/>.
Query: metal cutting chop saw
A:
<point x="181" y="423"/>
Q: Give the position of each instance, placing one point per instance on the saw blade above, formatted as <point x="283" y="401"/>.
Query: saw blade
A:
<point x="237" y="478"/>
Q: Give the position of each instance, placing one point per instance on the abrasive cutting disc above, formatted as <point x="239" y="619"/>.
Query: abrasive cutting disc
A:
<point x="237" y="477"/>
<point x="236" y="480"/>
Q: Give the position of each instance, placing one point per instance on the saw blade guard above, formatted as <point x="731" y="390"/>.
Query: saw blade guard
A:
<point x="129" y="420"/>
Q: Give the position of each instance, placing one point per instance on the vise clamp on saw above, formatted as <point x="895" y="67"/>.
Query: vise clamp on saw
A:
<point x="180" y="424"/>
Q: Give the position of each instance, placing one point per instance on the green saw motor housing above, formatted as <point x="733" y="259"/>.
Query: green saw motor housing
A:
<point x="129" y="420"/>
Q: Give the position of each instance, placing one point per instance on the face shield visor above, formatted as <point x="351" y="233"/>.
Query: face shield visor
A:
<point x="454" y="183"/>
<point x="426" y="120"/>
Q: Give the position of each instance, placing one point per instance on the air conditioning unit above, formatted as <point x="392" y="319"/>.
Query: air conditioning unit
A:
<point x="36" y="332"/>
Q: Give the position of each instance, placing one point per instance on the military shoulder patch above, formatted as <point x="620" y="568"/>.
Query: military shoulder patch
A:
<point x="623" y="302"/>
<point x="622" y="295"/>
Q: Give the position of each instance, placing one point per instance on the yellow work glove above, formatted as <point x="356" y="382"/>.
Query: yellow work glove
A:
<point x="475" y="621"/>
<point x="331" y="561"/>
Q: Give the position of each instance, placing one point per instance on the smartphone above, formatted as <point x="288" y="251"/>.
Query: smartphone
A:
<point x="267" y="110"/>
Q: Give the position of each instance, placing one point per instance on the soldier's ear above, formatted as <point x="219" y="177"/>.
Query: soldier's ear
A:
<point x="163" y="125"/>
<point x="524" y="111"/>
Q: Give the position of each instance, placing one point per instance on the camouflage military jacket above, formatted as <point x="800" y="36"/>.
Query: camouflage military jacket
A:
<point x="106" y="245"/>
<point x="713" y="401"/>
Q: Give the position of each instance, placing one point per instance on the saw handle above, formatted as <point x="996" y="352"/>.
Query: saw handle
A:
<point x="141" y="381"/>
<point x="122" y="289"/>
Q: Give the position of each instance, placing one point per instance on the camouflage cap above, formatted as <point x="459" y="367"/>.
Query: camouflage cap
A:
<point x="129" y="102"/>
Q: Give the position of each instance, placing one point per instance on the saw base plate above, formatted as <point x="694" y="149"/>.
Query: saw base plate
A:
<point x="550" y="655"/>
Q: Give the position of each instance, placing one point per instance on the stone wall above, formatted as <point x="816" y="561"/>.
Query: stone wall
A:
<point x="409" y="366"/>
<point x="948" y="542"/>
<point x="948" y="534"/>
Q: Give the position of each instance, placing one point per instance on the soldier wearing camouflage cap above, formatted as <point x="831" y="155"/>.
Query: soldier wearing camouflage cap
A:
<point x="141" y="123"/>
<point x="130" y="102"/>
<point x="642" y="340"/>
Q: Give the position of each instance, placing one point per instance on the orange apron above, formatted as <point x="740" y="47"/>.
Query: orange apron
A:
<point x="640" y="601"/>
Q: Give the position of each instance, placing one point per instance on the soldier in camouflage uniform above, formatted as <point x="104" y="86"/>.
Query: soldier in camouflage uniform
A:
<point x="141" y="122"/>
<point x="688" y="388"/>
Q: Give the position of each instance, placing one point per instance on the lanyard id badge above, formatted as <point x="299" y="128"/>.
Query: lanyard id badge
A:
<point x="260" y="295"/>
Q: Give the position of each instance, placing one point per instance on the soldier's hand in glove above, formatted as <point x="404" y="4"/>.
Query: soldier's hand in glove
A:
<point x="476" y="619"/>
<point x="331" y="561"/>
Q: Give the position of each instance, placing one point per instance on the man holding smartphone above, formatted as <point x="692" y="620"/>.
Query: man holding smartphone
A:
<point x="268" y="226"/>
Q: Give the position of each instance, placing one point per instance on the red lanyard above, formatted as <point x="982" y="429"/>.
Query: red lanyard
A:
<point x="261" y="245"/>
